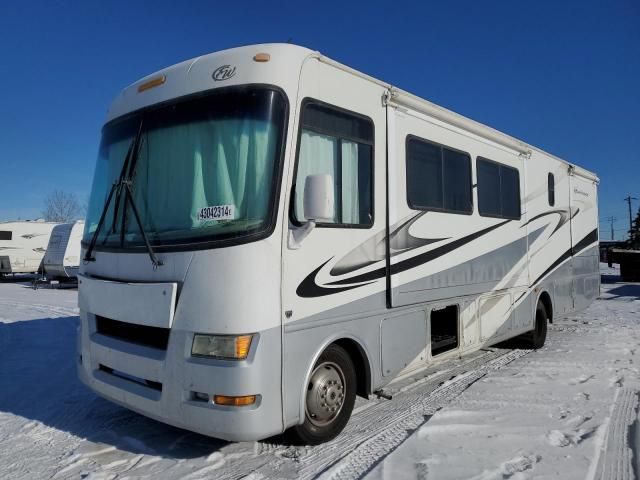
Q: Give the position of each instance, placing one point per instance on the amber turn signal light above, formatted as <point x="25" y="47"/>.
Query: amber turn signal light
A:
<point x="261" y="57"/>
<point x="154" y="82"/>
<point x="234" y="401"/>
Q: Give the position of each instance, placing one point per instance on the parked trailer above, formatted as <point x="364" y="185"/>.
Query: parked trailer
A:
<point x="23" y="245"/>
<point x="296" y="232"/>
<point x="629" y="261"/>
<point x="62" y="258"/>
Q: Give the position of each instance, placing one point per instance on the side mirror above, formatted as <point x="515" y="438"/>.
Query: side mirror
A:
<point x="318" y="205"/>
<point x="318" y="198"/>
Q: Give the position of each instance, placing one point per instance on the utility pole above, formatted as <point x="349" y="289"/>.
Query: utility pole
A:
<point x="628" y="200"/>
<point x="611" y="219"/>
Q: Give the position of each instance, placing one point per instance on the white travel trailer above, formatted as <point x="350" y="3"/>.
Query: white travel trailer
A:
<point x="271" y="233"/>
<point x="62" y="258"/>
<point x="23" y="245"/>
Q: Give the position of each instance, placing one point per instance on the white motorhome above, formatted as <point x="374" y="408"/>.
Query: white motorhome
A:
<point x="62" y="258"/>
<point x="271" y="233"/>
<point x="23" y="245"/>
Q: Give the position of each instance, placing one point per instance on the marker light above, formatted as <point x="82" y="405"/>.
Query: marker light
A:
<point x="221" y="346"/>
<point x="234" y="401"/>
<point x="261" y="57"/>
<point x="154" y="82"/>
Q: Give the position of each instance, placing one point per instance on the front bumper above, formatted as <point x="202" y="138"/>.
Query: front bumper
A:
<point x="173" y="377"/>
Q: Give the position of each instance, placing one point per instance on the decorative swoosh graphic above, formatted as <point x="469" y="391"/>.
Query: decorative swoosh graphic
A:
<point x="309" y="288"/>
<point x="373" y="250"/>
<point x="588" y="239"/>
<point x="565" y="214"/>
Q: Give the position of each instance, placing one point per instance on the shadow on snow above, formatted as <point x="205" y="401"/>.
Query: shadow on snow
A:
<point x="39" y="382"/>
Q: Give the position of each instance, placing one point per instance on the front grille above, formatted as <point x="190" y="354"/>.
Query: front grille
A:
<point x="154" y="337"/>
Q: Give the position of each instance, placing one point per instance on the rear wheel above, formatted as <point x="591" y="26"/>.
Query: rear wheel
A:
<point x="539" y="333"/>
<point x="329" y="400"/>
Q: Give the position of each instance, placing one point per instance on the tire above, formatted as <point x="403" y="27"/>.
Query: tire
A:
<point x="539" y="333"/>
<point x="331" y="394"/>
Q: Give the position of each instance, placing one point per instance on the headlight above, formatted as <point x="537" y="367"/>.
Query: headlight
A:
<point x="221" y="346"/>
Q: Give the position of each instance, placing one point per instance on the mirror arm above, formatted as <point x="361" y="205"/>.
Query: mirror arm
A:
<point x="298" y="234"/>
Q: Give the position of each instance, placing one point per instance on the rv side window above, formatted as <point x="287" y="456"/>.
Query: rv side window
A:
<point x="6" y="235"/>
<point x="498" y="190"/>
<point x="338" y="143"/>
<point x="551" y="183"/>
<point x="438" y="177"/>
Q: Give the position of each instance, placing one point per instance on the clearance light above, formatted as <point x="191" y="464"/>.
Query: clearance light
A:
<point x="261" y="57"/>
<point x="221" y="346"/>
<point x="154" y="82"/>
<point x="234" y="401"/>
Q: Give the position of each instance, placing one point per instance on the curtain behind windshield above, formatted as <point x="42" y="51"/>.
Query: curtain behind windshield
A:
<point x="221" y="162"/>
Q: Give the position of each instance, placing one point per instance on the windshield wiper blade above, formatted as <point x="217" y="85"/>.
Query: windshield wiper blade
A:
<point x="129" y="198"/>
<point x="132" y="153"/>
<point x="87" y="255"/>
<point x="116" y="187"/>
<point x="124" y="183"/>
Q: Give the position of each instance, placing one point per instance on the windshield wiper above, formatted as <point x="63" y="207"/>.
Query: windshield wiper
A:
<point x="129" y="198"/>
<point x="124" y="185"/>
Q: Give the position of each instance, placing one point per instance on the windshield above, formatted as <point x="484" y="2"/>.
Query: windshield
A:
<point x="206" y="169"/>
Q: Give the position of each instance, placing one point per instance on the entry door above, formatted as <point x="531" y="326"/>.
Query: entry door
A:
<point x="338" y="269"/>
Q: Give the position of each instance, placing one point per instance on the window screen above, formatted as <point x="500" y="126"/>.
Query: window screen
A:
<point x="498" y="190"/>
<point x="551" y="183"/>
<point x="438" y="178"/>
<point x="6" y="235"/>
<point x="340" y="144"/>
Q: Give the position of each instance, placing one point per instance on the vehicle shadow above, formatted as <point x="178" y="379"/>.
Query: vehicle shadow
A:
<point x="606" y="278"/>
<point x="18" y="278"/>
<point x="39" y="383"/>
<point x="623" y="290"/>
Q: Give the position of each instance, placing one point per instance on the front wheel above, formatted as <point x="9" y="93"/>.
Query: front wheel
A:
<point x="329" y="400"/>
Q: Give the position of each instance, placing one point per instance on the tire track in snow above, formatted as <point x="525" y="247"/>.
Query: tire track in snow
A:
<point x="417" y="408"/>
<point x="375" y="431"/>
<point x="615" y="461"/>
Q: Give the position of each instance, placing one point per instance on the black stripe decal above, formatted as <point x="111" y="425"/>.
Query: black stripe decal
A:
<point x="590" y="238"/>
<point x="309" y="288"/>
<point x="565" y="216"/>
<point x="418" y="260"/>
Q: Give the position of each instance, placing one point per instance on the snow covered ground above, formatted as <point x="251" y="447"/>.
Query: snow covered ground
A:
<point x="566" y="411"/>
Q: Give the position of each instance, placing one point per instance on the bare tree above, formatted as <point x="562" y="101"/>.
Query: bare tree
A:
<point x="61" y="206"/>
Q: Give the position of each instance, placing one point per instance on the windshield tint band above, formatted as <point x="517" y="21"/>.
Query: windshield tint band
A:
<point x="208" y="174"/>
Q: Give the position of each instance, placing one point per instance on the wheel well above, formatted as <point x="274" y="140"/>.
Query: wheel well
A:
<point x="360" y="363"/>
<point x="545" y="298"/>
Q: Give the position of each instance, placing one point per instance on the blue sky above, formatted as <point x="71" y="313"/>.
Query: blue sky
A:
<point x="564" y="76"/>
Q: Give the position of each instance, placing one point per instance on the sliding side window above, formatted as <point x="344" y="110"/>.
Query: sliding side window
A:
<point x="6" y="235"/>
<point x="338" y="143"/>
<point x="498" y="190"/>
<point x="438" y="177"/>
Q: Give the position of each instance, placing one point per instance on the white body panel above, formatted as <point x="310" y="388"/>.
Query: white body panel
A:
<point x="151" y="304"/>
<point x="374" y="288"/>
<point x="24" y="251"/>
<point x="62" y="258"/>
